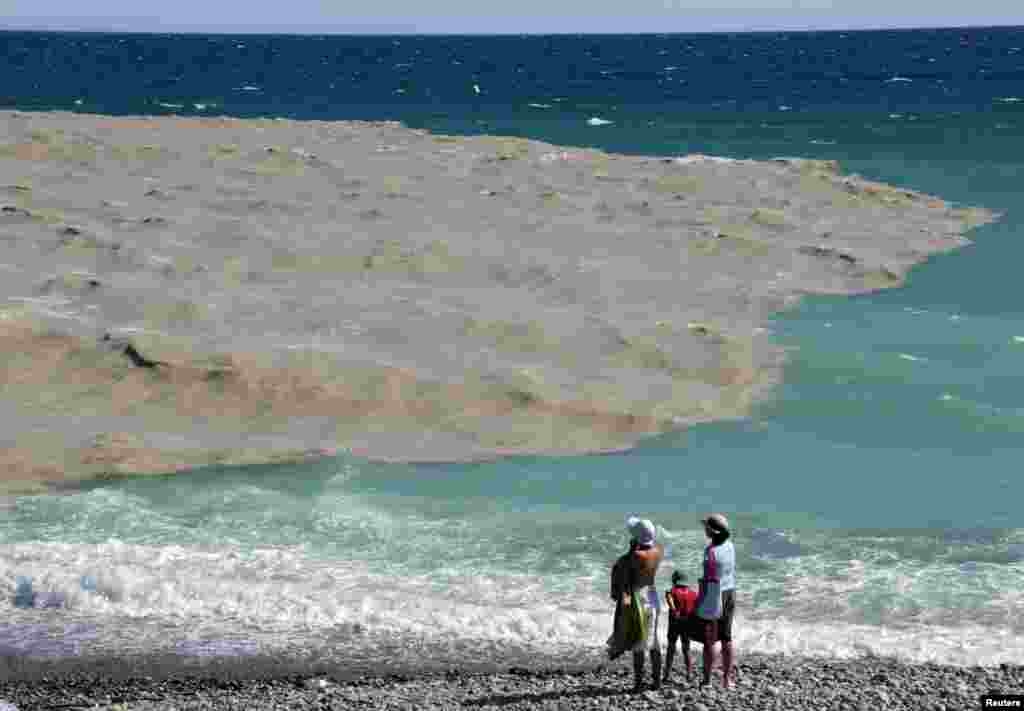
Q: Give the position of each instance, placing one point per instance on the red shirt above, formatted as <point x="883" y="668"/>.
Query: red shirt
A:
<point x="685" y="600"/>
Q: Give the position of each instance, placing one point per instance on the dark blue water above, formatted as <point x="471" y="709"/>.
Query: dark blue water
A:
<point x="685" y="84"/>
<point x="878" y="485"/>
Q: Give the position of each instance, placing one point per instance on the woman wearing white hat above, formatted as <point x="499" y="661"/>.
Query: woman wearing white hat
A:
<point x="716" y="601"/>
<point x="646" y="556"/>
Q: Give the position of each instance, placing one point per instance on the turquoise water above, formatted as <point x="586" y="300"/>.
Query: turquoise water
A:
<point x="875" y="494"/>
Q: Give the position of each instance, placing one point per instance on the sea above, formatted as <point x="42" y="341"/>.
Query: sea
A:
<point x="875" y="495"/>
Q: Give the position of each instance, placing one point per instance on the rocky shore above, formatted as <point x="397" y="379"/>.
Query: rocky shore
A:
<point x="764" y="682"/>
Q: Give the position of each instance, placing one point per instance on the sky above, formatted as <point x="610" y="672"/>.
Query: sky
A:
<point x="490" y="17"/>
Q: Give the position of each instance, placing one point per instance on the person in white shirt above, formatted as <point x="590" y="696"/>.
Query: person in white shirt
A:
<point x="720" y="567"/>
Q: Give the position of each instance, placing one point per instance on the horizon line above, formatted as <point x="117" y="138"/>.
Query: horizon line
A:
<point x="401" y="33"/>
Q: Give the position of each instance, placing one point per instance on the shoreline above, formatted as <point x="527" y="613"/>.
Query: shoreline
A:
<point x="192" y="292"/>
<point x="764" y="681"/>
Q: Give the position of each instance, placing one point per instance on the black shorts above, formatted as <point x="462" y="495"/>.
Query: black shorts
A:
<point x="725" y="621"/>
<point x="687" y="628"/>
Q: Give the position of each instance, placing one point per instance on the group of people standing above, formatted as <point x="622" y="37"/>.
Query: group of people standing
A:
<point x="703" y="615"/>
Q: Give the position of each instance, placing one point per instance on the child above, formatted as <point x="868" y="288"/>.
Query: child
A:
<point x="681" y="603"/>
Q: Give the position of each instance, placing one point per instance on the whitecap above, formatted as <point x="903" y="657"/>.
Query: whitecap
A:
<point x="78" y="102"/>
<point x="200" y="107"/>
<point x="540" y="106"/>
<point x="785" y="108"/>
<point x="248" y="87"/>
<point x="595" y="121"/>
<point x="1018" y="339"/>
<point x="907" y="356"/>
<point x="898" y="79"/>
<point x="1009" y="99"/>
<point x="476" y="88"/>
<point x="170" y="106"/>
<point x="822" y="142"/>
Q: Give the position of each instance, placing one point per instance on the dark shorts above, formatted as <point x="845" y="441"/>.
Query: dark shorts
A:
<point x="686" y="628"/>
<point x="725" y="622"/>
<point x="719" y="630"/>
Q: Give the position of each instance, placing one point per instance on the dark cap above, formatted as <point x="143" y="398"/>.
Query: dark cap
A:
<point x="717" y="522"/>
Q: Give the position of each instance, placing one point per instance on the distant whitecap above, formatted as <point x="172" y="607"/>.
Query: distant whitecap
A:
<point x="249" y="87"/>
<point x="898" y="79"/>
<point x="595" y="121"/>
<point x="540" y="106"/>
<point x="1009" y="99"/>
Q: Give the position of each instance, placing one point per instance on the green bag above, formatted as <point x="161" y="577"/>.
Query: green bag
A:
<point x="630" y="627"/>
<point x="635" y="622"/>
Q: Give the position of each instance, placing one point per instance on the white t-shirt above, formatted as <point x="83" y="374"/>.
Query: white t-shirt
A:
<point x="725" y="557"/>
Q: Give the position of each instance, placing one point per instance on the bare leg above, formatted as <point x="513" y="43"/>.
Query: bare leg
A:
<point x="686" y="658"/>
<point x="709" y="649"/>
<point x="726" y="662"/>
<point x="669" y="656"/>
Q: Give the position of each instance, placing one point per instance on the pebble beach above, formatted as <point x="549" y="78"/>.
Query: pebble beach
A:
<point x="764" y="682"/>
